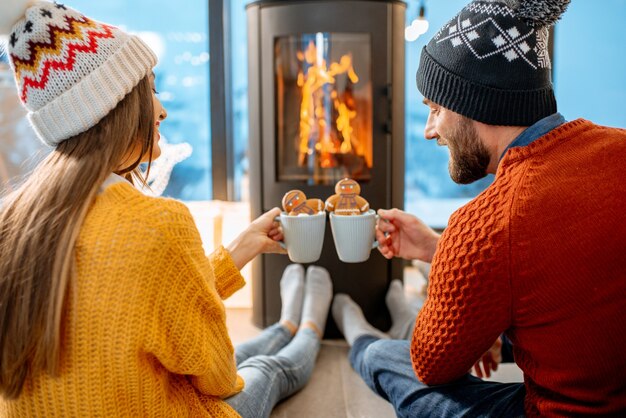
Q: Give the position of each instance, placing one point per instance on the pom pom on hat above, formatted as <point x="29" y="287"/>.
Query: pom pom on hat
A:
<point x="541" y="13"/>
<point x="11" y="12"/>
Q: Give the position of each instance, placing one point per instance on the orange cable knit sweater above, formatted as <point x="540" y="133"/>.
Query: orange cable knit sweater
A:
<point x="145" y="333"/>
<point x="539" y="254"/>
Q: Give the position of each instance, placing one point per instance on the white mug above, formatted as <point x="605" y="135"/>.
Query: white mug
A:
<point x="304" y="236"/>
<point x="354" y="236"/>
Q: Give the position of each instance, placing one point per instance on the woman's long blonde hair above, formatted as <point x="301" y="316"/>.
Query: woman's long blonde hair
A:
<point x="39" y="226"/>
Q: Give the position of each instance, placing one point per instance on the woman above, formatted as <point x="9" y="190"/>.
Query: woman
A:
<point x="108" y="304"/>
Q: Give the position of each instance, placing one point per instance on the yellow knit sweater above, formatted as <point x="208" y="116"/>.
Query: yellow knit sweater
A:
<point x="145" y="331"/>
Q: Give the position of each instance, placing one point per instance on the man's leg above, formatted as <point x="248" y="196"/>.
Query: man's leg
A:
<point x="507" y="350"/>
<point x="385" y="366"/>
<point x="402" y="311"/>
<point x="351" y="321"/>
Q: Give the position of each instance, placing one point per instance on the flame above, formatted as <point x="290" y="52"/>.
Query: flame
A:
<point x="343" y="125"/>
<point x="313" y="107"/>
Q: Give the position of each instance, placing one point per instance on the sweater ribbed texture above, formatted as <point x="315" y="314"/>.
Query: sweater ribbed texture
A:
<point x="145" y="332"/>
<point x="539" y="254"/>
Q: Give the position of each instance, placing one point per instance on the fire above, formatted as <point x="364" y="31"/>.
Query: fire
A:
<point x="314" y="113"/>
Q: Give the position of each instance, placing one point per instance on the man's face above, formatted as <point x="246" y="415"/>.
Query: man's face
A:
<point x="469" y="157"/>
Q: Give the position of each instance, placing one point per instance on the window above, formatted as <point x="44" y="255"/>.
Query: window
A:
<point x="179" y="36"/>
<point x="588" y="78"/>
<point x="588" y="74"/>
<point x="429" y="191"/>
<point x="20" y="149"/>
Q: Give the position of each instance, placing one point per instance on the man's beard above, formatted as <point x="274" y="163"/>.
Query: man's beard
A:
<point x="469" y="158"/>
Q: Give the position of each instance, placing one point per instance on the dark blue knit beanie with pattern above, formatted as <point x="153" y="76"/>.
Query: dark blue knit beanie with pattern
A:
<point x="490" y="63"/>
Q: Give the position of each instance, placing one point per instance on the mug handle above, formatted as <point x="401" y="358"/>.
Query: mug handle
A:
<point x="281" y="243"/>
<point x="375" y="243"/>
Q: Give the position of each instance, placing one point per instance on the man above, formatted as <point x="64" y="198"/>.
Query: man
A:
<point x="538" y="256"/>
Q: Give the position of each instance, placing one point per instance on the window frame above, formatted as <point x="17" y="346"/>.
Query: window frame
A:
<point x="222" y="154"/>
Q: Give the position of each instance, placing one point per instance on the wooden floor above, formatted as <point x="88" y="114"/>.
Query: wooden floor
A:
<point x="335" y="390"/>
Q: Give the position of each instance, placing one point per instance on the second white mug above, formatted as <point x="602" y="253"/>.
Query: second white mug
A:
<point x="354" y="236"/>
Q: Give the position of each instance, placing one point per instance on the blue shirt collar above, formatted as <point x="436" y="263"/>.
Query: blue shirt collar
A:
<point x="536" y="130"/>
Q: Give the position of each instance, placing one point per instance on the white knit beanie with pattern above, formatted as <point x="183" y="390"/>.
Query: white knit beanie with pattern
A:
<point x="70" y="71"/>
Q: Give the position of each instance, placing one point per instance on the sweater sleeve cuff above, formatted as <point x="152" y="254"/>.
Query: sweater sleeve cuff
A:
<point x="228" y="278"/>
<point x="239" y="385"/>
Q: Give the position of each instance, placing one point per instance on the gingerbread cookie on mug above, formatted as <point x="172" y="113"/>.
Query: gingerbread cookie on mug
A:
<point x="295" y="203"/>
<point x="347" y="201"/>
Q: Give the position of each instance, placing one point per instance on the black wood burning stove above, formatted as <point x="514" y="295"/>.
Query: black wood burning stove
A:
<point x="326" y="89"/>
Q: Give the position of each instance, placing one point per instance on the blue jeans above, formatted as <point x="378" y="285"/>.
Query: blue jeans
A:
<point x="385" y="365"/>
<point x="273" y="366"/>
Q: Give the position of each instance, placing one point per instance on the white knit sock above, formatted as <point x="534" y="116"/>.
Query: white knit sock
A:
<point x="351" y="321"/>
<point x="318" y="292"/>
<point x="291" y="294"/>
<point x="402" y="316"/>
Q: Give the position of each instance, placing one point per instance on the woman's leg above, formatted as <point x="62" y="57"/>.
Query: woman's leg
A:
<point x="273" y="338"/>
<point x="268" y="342"/>
<point x="272" y="378"/>
<point x="268" y="379"/>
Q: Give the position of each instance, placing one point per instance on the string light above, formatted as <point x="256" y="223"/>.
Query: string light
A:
<point x="418" y="27"/>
